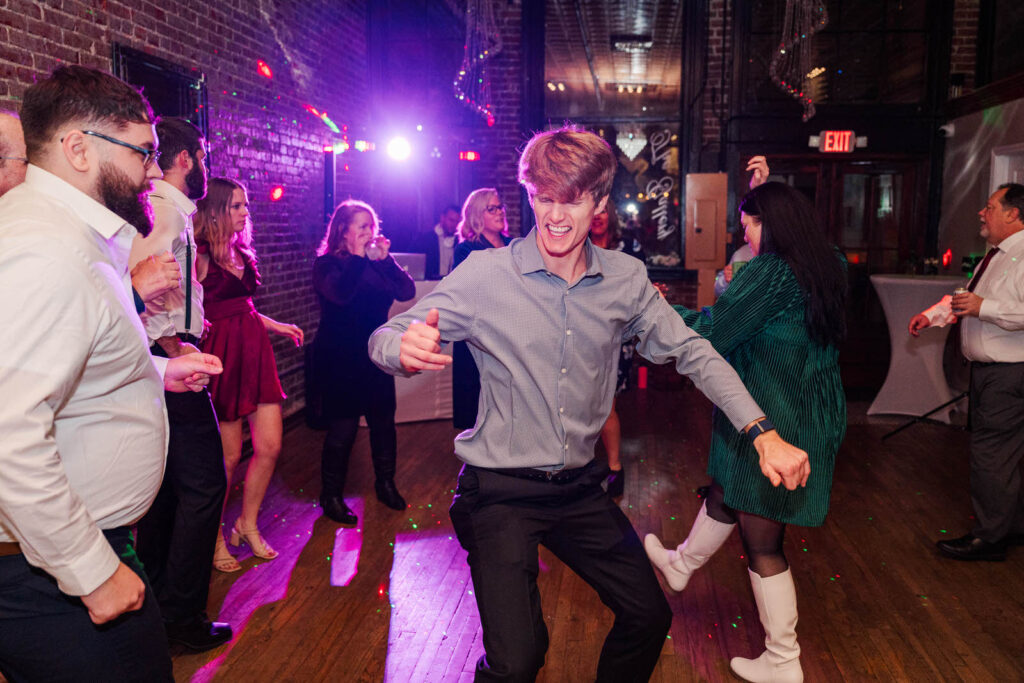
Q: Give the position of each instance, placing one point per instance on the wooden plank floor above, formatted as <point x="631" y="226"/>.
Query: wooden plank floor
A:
<point x="392" y="599"/>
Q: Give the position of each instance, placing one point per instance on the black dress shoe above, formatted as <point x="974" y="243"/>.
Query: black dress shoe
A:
<point x="336" y="509"/>
<point x="970" y="547"/>
<point x="616" y="483"/>
<point x="199" y="634"/>
<point x="389" y="495"/>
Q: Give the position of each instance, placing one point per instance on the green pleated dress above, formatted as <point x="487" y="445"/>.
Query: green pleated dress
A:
<point x="758" y="326"/>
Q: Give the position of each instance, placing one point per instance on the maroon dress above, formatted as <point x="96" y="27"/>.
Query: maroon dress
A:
<point x="238" y="338"/>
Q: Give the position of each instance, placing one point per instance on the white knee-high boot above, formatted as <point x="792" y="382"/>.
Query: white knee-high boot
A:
<point x="776" y="605"/>
<point x="706" y="537"/>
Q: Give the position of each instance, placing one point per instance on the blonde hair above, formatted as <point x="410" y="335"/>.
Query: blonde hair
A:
<point x="213" y="223"/>
<point x="334" y="239"/>
<point x="472" y="224"/>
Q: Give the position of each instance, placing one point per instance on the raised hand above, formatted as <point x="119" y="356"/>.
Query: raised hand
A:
<point x="421" y="346"/>
<point x="759" y="167"/>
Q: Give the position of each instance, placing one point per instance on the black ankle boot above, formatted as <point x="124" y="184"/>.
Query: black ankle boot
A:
<point x="336" y="509"/>
<point x="389" y="495"/>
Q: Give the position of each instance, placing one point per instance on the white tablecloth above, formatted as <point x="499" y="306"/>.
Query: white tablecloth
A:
<point x="916" y="382"/>
<point x="428" y="395"/>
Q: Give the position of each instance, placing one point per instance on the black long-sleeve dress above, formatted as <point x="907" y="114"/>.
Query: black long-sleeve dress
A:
<point x="465" y="376"/>
<point x="355" y="295"/>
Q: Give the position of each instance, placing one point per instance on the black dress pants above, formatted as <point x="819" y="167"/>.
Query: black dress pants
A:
<point x="997" y="448"/>
<point x="341" y="436"/>
<point x="500" y="520"/>
<point x="177" y="535"/>
<point x="46" y="635"/>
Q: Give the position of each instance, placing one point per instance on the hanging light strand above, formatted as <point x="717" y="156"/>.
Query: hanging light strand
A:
<point x="791" y="62"/>
<point x="483" y="41"/>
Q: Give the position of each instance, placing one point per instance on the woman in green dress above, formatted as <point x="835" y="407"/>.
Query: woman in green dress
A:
<point x="779" y="324"/>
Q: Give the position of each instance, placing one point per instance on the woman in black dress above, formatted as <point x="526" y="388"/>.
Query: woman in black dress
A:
<point x="483" y="226"/>
<point x="356" y="281"/>
<point x="605" y="233"/>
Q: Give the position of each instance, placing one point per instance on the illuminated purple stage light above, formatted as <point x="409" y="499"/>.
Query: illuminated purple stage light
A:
<point x="399" y="148"/>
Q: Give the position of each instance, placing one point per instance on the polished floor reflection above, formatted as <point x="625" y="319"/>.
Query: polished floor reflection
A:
<point x="391" y="600"/>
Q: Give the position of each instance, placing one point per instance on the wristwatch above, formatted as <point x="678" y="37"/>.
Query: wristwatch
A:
<point x="759" y="428"/>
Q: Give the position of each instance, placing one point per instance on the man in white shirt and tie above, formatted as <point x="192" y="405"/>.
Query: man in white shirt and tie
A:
<point x="82" y="416"/>
<point x="991" y="315"/>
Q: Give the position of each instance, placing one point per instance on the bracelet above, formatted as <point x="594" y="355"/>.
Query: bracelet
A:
<point x="759" y="428"/>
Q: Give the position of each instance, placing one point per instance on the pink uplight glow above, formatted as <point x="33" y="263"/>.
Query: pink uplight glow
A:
<point x="276" y="193"/>
<point x="267" y="581"/>
<point x="442" y="620"/>
<point x="264" y="69"/>
<point x="347" y="545"/>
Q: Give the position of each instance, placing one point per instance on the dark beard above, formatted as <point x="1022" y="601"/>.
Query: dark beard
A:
<point x="195" y="181"/>
<point x="130" y="203"/>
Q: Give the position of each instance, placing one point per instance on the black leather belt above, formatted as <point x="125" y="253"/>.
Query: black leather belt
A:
<point x="562" y="476"/>
<point x="188" y="338"/>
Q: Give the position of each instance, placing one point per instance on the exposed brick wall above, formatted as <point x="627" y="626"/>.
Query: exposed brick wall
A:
<point x="963" y="59"/>
<point x="503" y="141"/>
<point x="719" y="78"/>
<point x="259" y="131"/>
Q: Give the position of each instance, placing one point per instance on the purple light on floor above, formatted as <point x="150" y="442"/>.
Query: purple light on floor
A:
<point x="347" y="544"/>
<point x="433" y="610"/>
<point x="265" y="582"/>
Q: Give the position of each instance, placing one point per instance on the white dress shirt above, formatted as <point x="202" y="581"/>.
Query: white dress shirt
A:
<point x="997" y="334"/>
<point x="82" y="417"/>
<point x="445" y="251"/>
<point x="172" y="231"/>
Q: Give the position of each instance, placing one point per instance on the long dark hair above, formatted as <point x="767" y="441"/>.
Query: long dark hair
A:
<point x="790" y="229"/>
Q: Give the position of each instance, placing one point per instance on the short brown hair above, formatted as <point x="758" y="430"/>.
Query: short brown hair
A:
<point x="78" y="93"/>
<point x="567" y="163"/>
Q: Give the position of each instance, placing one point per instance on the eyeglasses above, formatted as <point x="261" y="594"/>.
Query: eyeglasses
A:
<point x="497" y="208"/>
<point x="22" y="159"/>
<point x="149" y="156"/>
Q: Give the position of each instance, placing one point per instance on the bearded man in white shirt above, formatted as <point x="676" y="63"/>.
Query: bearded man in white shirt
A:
<point x="83" y="419"/>
<point x="991" y="315"/>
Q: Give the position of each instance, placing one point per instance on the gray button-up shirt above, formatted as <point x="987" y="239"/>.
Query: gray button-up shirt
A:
<point x="548" y="352"/>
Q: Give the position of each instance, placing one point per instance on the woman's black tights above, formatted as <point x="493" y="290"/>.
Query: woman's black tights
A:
<point x="762" y="538"/>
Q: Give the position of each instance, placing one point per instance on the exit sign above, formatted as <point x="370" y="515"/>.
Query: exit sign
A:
<point x="837" y="141"/>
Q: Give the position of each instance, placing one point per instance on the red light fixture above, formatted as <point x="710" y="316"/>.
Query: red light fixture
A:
<point x="469" y="155"/>
<point x="947" y="258"/>
<point x="264" y="69"/>
<point x="276" y="193"/>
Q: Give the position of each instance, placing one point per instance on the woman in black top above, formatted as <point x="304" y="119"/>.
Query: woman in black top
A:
<point x="356" y="281"/>
<point x="483" y="226"/>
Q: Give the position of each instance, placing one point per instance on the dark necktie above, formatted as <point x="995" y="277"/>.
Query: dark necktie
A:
<point x="188" y="282"/>
<point x="981" y="269"/>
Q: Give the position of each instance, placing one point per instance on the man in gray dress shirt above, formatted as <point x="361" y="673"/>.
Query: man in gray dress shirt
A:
<point x="544" y="319"/>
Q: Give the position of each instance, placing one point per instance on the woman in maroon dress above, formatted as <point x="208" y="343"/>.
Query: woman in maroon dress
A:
<point x="249" y="386"/>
